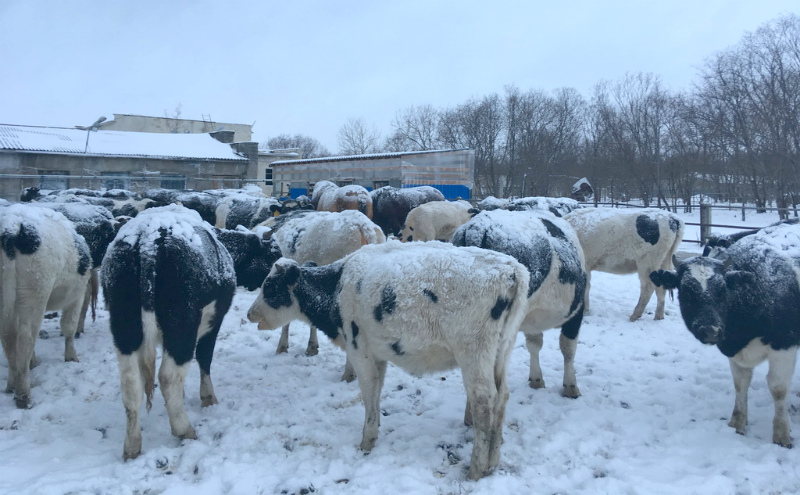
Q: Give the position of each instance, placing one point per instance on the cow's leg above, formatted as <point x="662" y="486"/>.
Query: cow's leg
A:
<point x="779" y="379"/>
<point x="646" y="288"/>
<point x="741" y="382"/>
<point x="586" y="293"/>
<point x="204" y="354"/>
<point x="171" y="377"/>
<point x="8" y="336"/>
<point x="661" y="299"/>
<point x="349" y="373"/>
<point x="132" y="387"/>
<point x="499" y="413"/>
<point x="568" y="342"/>
<point x="535" y="342"/>
<point x="482" y="394"/>
<point x="283" y="343"/>
<point x="69" y="324"/>
<point x="313" y="342"/>
<point x="370" y="380"/>
<point x="91" y="288"/>
<point x="19" y="364"/>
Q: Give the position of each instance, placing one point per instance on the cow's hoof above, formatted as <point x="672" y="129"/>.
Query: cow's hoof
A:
<point x="634" y="317"/>
<point x="738" y="423"/>
<point x="571" y="392"/>
<point x="282" y="350"/>
<point x="126" y="456"/>
<point x="537" y="383"/>
<point x="189" y="435"/>
<point x="367" y="445"/>
<point x="22" y="401"/>
<point x="312" y="350"/>
<point x="348" y="376"/>
<point x="208" y="400"/>
<point x="71" y="359"/>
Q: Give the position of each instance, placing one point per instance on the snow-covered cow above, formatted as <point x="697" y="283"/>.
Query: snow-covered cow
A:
<point x="628" y="241"/>
<point x="748" y="306"/>
<point x="321" y="237"/>
<point x="717" y="244"/>
<point x="45" y="267"/>
<point x="390" y="205"/>
<point x="327" y="196"/>
<point x="243" y="209"/>
<point x="435" y="221"/>
<point x="166" y="278"/>
<point x="557" y="206"/>
<point x="423" y="306"/>
<point x="97" y="226"/>
<point x="549" y="249"/>
<point x="252" y="255"/>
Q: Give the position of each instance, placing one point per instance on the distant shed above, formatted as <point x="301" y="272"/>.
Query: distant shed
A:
<point x="450" y="171"/>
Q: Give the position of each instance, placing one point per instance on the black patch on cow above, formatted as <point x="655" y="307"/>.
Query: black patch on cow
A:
<point x="647" y="228"/>
<point x="275" y="289"/>
<point x="296" y="235"/>
<point x="572" y="327"/>
<point x="501" y="305"/>
<point x="388" y="303"/>
<point x="553" y="230"/>
<point x="358" y="285"/>
<point x="317" y="293"/>
<point x="94" y="223"/>
<point x="122" y="291"/>
<point x="124" y="209"/>
<point x="390" y="205"/>
<point x="431" y="295"/>
<point x="674" y="224"/>
<point x="253" y="256"/>
<point x="354" y="329"/>
<point x="82" y="250"/>
<point x="26" y="240"/>
<point x="397" y="348"/>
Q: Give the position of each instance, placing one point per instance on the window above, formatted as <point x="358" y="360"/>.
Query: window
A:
<point x="344" y="182"/>
<point x="268" y="176"/>
<point x="53" y="183"/>
<point x="116" y="180"/>
<point x="172" y="181"/>
<point x="377" y="184"/>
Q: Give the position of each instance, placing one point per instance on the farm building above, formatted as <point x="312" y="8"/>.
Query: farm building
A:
<point x="450" y="171"/>
<point x="61" y="158"/>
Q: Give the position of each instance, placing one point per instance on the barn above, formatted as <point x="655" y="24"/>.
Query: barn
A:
<point x="450" y="171"/>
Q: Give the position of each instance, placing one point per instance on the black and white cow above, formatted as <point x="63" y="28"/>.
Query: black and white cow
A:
<point x="549" y="249"/>
<point x="423" y="306"/>
<point x="716" y="244"/>
<point x="243" y="209"/>
<point x="98" y="227"/>
<point x="45" y="267"/>
<point x="166" y="278"/>
<point x="391" y="205"/>
<point x="321" y="237"/>
<point x="749" y="307"/>
<point x="628" y="241"/>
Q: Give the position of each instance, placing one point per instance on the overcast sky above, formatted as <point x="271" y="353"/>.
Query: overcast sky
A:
<point x="307" y="66"/>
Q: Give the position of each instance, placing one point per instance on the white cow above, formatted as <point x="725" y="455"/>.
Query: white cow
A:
<point x="423" y="306"/>
<point x="629" y="241"/>
<point x="435" y="221"/>
<point x="45" y="266"/>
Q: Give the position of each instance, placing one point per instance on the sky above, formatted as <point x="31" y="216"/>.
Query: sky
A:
<point x="306" y="67"/>
<point x="652" y="417"/>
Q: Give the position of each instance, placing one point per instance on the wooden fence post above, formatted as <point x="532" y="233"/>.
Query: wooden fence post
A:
<point x="705" y="222"/>
<point x="742" y="210"/>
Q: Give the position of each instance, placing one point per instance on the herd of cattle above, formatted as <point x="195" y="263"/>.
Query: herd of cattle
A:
<point x="349" y="263"/>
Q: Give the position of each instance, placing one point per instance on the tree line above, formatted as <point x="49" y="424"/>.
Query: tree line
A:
<point x="733" y="136"/>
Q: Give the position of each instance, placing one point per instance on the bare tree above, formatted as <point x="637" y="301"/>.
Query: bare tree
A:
<point x="415" y="129"/>
<point x="357" y="138"/>
<point x="309" y="147"/>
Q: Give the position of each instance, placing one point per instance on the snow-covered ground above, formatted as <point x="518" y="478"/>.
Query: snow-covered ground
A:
<point x="652" y="418"/>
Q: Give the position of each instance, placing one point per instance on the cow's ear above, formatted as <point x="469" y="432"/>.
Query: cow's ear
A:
<point x="274" y="208"/>
<point x="665" y="278"/>
<point x="292" y="274"/>
<point x="473" y="211"/>
<point x="738" y="278"/>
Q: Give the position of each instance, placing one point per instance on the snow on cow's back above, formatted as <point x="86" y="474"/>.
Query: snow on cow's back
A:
<point x="769" y="251"/>
<point x="15" y="215"/>
<point x="178" y="221"/>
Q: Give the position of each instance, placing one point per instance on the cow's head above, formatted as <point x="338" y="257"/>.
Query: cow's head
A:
<point x="705" y="286"/>
<point x="276" y="305"/>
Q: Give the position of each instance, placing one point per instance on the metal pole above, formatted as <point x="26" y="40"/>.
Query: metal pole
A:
<point x="705" y="222"/>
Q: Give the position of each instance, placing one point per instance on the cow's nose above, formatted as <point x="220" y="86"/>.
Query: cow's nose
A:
<point x="708" y="334"/>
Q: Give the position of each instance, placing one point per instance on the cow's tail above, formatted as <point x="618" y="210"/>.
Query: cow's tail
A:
<point x="517" y="296"/>
<point x="95" y="284"/>
<point x="147" y="355"/>
<point x="371" y="234"/>
<point x="676" y="225"/>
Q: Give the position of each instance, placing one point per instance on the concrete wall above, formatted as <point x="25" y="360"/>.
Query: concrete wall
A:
<point x="142" y="123"/>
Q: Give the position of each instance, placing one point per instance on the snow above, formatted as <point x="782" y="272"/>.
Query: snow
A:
<point x="652" y="418"/>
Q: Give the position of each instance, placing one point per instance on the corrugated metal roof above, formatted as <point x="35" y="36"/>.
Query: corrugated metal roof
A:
<point x="59" y="140"/>
<point x="361" y="157"/>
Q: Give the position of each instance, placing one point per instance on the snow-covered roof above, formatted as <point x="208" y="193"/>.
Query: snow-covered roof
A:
<point x="361" y="157"/>
<point x="65" y="141"/>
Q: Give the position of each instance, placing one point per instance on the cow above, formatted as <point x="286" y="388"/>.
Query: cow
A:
<point x="557" y="206"/>
<point x="747" y="305"/>
<point x="288" y="205"/>
<point x="166" y="278"/>
<point x="243" y="209"/>
<point x="423" y="306"/>
<point x="390" y="205"/>
<point x="252" y="255"/>
<point x="716" y="244"/>
<point x="435" y="221"/>
<point x="98" y="228"/>
<point x="549" y="248"/>
<point x="321" y="237"/>
<point x="629" y="241"/>
<point x="327" y="196"/>
<point x="45" y="266"/>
